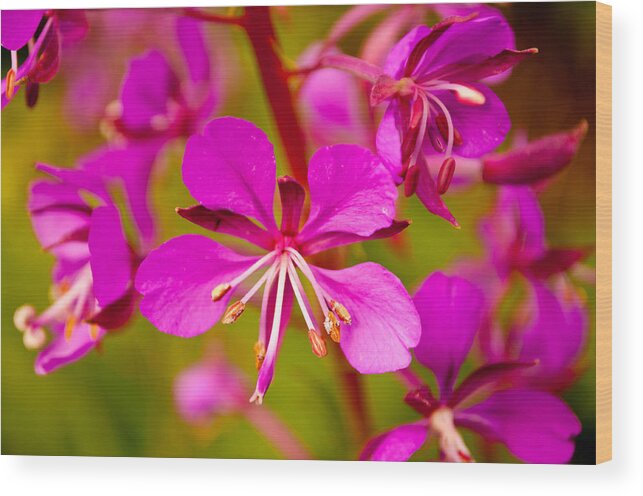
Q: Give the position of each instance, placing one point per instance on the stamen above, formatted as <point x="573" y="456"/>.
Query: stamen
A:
<point x="233" y="312"/>
<point x="331" y="324"/>
<point x="435" y="140"/>
<point x="341" y="312"/>
<point x="34" y="338"/>
<point x="220" y="291"/>
<point x="23" y="317"/>
<point x="260" y="354"/>
<point x="411" y="180"/>
<point x="93" y="331"/>
<point x="446" y="175"/>
<point x="297" y="290"/>
<point x="11" y="84"/>
<point x="253" y="268"/>
<point x="70" y="323"/>
<point x="445" y="127"/>
<point x="306" y="270"/>
<point x="422" y="129"/>
<point x="260" y="282"/>
<point x="317" y="343"/>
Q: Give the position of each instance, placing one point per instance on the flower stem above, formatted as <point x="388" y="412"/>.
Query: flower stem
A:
<point x="260" y="31"/>
<point x="276" y="432"/>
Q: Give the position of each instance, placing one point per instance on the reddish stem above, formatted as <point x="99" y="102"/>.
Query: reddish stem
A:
<point x="260" y="31"/>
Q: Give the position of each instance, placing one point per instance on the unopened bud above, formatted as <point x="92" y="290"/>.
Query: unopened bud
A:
<point x="317" y="343"/>
<point x="233" y="312"/>
<point x="341" y="312"/>
<point x="220" y="291"/>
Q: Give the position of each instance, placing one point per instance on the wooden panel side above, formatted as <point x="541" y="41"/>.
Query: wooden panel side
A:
<point x="603" y="232"/>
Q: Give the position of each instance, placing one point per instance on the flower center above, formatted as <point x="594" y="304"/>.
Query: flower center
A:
<point x="74" y="303"/>
<point x="281" y="263"/>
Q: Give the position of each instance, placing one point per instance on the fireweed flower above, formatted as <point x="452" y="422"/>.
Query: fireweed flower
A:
<point x="438" y="104"/>
<point x="230" y="169"/>
<point x="157" y="105"/>
<point x="551" y="323"/>
<point x="20" y="29"/>
<point x="92" y="279"/>
<point x="536" y="426"/>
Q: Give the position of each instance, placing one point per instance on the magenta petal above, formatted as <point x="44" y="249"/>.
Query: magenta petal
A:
<point x="388" y="141"/>
<point x="48" y="61"/>
<point x="57" y="212"/>
<point x="111" y="258"/>
<point x="555" y="336"/>
<point x="231" y="166"/>
<point x="19" y="26"/>
<point x="385" y="324"/>
<point x="483" y="127"/>
<point x="536" y="160"/>
<point x="339" y="202"/>
<point x="468" y="43"/>
<point x="176" y="281"/>
<point x="62" y="352"/>
<point x="190" y="35"/>
<point x="226" y="222"/>
<point x="515" y="232"/>
<point x="396" y="445"/>
<point x="486" y="376"/>
<point x="335" y="239"/>
<point x="79" y="179"/>
<point x="148" y="86"/>
<point x="428" y="194"/>
<point x="396" y="60"/>
<point x="537" y="427"/>
<point x="450" y="310"/>
<point x="132" y="166"/>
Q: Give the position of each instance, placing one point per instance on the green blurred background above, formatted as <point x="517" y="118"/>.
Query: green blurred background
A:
<point x="118" y="402"/>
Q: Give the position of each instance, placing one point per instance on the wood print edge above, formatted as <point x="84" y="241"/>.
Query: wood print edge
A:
<point x="603" y="232"/>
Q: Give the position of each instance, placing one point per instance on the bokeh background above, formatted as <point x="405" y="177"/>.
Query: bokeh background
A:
<point x="118" y="401"/>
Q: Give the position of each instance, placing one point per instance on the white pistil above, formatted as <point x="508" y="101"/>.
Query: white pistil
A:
<point x="451" y="443"/>
<point x="464" y="94"/>
<point x="257" y="397"/>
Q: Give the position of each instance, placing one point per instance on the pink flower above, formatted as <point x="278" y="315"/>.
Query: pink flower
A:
<point x="536" y="426"/>
<point x="230" y="169"/>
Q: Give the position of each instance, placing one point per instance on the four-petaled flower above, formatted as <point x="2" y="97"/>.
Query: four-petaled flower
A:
<point x="433" y="82"/>
<point x="230" y="169"/>
<point x="535" y="425"/>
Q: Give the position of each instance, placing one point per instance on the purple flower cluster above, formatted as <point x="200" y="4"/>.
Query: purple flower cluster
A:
<point x="414" y="109"/>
